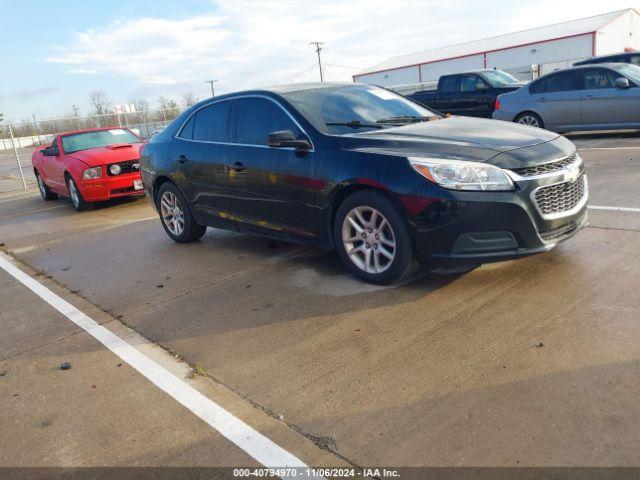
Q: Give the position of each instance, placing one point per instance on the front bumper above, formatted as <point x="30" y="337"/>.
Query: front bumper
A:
<point x="471" y="228"/>
<point x="108" y="187"/>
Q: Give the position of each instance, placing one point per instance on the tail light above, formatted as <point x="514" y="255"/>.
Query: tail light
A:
<point x="497" y="105"/>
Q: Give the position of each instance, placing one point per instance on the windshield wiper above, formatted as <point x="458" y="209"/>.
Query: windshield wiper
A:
<point x="354" y="124"/>
<point x="405" y="119"/>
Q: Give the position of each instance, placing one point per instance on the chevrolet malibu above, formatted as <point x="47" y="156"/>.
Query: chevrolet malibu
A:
<point x="89" y="166"/>
<point x="388" y="183"/>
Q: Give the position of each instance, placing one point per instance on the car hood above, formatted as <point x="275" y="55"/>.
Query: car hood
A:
<point x="94" y="157"/>
<point x="504" y="144"/>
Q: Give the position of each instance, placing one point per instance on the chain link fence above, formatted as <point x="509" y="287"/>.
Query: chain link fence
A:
<point x="18" y="140"/>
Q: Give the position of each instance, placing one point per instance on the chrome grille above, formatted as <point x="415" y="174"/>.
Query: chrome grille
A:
<point x="128" y="166"/>
<point x="546" y="167"/>
<point x="560" y="197"/>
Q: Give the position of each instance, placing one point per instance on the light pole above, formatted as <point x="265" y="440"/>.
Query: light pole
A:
<point x="211" y="82"/>
<point x="318" y="48"/>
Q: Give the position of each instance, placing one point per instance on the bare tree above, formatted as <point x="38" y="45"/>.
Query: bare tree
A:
<point x="140" y="104"/>
<point x="99" y="102"/>
<point x="167" y="103"/>
<point x="189" y="99"/>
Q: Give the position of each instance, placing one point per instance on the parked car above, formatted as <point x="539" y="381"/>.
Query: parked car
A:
<point x="368" y="172"/>
<point x="627" y="57"/>
<point x="589" y="97"/>
<point x="471" y="94"/>
<point x="89" y="166"/>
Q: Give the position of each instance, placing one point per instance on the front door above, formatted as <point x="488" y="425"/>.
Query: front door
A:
<point x="272" y="187"/>
<point x="603" y="103"/>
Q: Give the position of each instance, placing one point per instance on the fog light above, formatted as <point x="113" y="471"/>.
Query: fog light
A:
<point x="115" y="169"/>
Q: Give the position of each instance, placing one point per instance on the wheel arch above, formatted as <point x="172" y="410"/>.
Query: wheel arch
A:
<point x="157" y="183"/>
<point x="348" y="188"/>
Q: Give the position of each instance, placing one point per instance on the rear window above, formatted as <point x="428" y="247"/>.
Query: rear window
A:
<point x="211" y="123"/>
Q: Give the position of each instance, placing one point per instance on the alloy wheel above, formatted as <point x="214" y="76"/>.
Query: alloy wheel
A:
<point x="529" y="120"/>
<point x="43" y="192"/>
<point x="73" y="191"/>
<point x="369" y="239"/>
<point x="172" y="213"/>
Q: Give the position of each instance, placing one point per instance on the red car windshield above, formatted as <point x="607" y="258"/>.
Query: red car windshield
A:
<point x="99" y="138"/>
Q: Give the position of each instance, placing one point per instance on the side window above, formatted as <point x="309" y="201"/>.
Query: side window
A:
<point x="539" y="86"/>
<point x="187" y="130"/>
<point x="212" y="123"/>
<point x="472" y="83"/>
<point x="562" y="82"/>
<point x="256" y="118"/>
<point x="634" y="59"/>
<point x="596" y="78"/>
<point x="449" y="84"/>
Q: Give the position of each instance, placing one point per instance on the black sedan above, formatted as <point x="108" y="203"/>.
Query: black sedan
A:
<point x="361" y="169"/>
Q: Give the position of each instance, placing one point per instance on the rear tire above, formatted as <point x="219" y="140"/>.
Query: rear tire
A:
<point x="77" y="199"/>
<point x="373" y="239"/>
<point x="45" y="191"/>
<point x="530" y="119"/>
<point x="176" y="217"/>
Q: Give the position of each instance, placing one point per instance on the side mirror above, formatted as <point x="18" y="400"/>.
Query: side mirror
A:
<point x="48" y="152"/>
<point x="481" y="87"/>
<point x="622" y="82"/>
<point x="286" y="139"/>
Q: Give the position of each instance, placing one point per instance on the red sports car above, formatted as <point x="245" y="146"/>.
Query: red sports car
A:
<point x="89" y="166"/>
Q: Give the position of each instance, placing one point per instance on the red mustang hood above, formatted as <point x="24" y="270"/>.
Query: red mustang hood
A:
<point x="94" y="157"/>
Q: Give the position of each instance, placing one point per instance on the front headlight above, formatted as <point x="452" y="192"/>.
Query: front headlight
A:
<point x="91" y="173"/>
<point x="462" y="175"/>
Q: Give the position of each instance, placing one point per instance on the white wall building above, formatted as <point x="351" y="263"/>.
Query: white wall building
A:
<point x="526" y="54"/>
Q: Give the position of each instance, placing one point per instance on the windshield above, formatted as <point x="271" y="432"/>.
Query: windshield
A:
<point x="99" y="138"/>
<point x="498" y="78"/>
<point x="632" y="72"/>
<point x="355" y="108"/>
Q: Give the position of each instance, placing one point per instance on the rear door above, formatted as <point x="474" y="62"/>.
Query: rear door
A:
<point x="603" y="104"/>
<point x="557" y="98"/>
<point x="272" y="187"/>
<point x="477" y="100"/>
<point x="201" y="152"/>
<point x="448" y="97"/>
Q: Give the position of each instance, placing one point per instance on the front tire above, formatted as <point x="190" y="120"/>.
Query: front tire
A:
<point x="176" y="217"/>
<point x="530" y="119"/>
<point x="45" y="191"/>
<point x="77" y="199"/>
<point x="373" y="238"/>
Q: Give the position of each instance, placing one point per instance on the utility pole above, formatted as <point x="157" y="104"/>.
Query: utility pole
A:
<point x="211" y="82"/>
<point x="318" y="48"/>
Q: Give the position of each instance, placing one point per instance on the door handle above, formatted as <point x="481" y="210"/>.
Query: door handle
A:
<point x="237" y="167"/>
<point x="542" y="99"/>
<point x="182" y="159"/>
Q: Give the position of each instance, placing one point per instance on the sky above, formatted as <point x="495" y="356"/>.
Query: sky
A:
<point x="54" y="54"/>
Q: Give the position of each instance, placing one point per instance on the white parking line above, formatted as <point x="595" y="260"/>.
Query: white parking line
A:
<point x="608" y="148"/>
<point x="242" y="435"/>
<point x="615" y="209"/>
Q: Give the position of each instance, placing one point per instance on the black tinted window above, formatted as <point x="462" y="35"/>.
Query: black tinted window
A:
<point x="212" y="123"/>
<point x="559" y="82"/>
<point x="256" y="118"/>
<point x="472" y="83"/>
<point x="187" y="130"/>
<point x="634" y="59"/>
<point x="596" y="78"/>
<point x="449" y="84"/>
